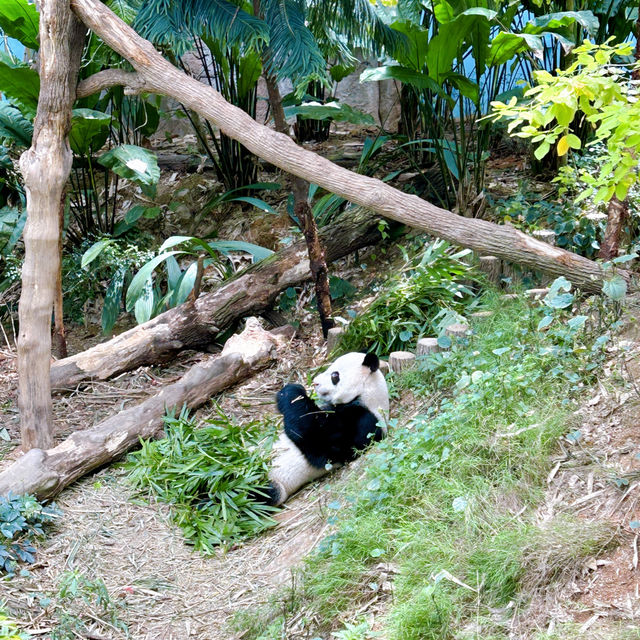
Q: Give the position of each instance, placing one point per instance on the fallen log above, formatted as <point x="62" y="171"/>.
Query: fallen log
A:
<point x="154" y="74"/>
<point x="46" y="473"/>
<point x="196" y="325"/>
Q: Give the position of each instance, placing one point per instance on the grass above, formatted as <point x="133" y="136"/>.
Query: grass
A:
<point x="448" y="499"/>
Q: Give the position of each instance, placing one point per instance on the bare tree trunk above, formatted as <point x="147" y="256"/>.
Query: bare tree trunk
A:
<point x="45" y="167"/>
<point x="304" y="213"/>
<point x="617" y="213"/>
<point x="195" y="325"/>
<point x="155" y="75"/>
<point x="59" y="340"/>
<point x="46" y="473"/>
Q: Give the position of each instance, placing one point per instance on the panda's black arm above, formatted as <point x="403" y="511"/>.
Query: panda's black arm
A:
<point x="367" y="429"/>
<point x="301" y="414"/>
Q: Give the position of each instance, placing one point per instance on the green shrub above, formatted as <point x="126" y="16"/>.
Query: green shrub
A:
<point x="22" y="519"/>
<point x="210" y="476"/>
<point x="411" y="304"/>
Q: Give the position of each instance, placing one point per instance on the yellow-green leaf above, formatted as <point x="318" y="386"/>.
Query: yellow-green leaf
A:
<point x="563" y="146"/>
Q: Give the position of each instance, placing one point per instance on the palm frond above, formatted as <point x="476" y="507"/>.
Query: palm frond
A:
<point x="174" y="24"/>
<point x="293" y="51"/>
<point x="357" y="21"/>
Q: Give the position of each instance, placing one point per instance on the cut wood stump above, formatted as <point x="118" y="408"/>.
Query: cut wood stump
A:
<point x="46" y="473"/>
<point x="401" y="361"/>
<point x="426" y="346"/>
<point x="457" y="331"/>
<point x="492" y="267"/>
<point x="333" y="338"/>
<point x="384" y="367"/>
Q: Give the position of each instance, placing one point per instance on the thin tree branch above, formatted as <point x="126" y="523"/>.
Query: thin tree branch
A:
<point x="132" y="82"/>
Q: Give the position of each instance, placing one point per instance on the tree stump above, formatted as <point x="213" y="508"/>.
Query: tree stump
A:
<point x="492" y="267"/>
<point x="333" y="338"/>
<point x="457" y="331"/>
<point x="384" y="367"/>
<point x="401" y="361"/>
<point x="426" y="346"/>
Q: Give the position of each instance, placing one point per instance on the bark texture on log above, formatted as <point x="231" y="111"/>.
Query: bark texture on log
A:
<point x="46" y="473"/>
<point x="196" y="325"/>
<point x="156" y="75"/>
<point x="45" y="168"/>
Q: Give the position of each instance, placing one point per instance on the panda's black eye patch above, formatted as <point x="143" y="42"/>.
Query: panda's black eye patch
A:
<point x="335" y="377"/>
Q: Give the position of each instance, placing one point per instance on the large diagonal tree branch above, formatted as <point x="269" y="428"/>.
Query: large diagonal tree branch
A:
<point x="161" y="77"/>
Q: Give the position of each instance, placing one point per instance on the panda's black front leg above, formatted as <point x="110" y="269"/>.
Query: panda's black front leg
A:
<point x="300" y="412"/>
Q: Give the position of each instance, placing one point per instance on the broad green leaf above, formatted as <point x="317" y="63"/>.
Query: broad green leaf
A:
<point x="113" y="300"/>
<point x="542" y="150"/>
<point x="466" y="87"/>
<point x="226" y="246"/>
<point x="19" y="19"/>
<point x="545" y="322"/>
<point x="330" y="111"/>
<point x="20" y="84"/>
<point x="143" y="309"/>
<point x="257" y="202"/>
<point x="615" y="288"/>
<point x="94" y="251"/>
<point x="407" y="76"/>
<point x="89" y="130"/>
<point x="14" y="126"/>
<point x="577" y="322"/>
<point x="144" y="278"/>
<point x="133" y="163"/>
<point x="561" y="19"/>
<point x="173" y="272"/>
<point x="184" y="285"/>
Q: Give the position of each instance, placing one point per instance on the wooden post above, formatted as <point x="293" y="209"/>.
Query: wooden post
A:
<point x="426" y="346"/>
<point x="492" y="267"/>
<point x="334" y="335"/>
<point x="457" y="331"/>
<point x="401" y="361"/>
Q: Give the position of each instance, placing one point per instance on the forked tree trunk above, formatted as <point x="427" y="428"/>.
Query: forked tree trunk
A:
<point x="45" y="168"/>
<point x="155" y="75"/>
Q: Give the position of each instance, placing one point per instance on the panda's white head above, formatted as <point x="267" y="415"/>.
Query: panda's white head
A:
<point x="355" y="376"/>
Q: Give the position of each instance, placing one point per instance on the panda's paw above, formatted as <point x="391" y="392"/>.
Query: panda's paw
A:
<point x="288" y="395"/>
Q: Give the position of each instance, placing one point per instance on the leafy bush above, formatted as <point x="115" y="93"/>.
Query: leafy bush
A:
<point x="576" y="229"/>
<point x="22" y="519"/>
<point x="210" y="475"/>
<point x="411" y="304"/>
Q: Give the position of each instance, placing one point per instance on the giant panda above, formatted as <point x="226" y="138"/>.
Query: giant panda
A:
<point x="354" y="404"/>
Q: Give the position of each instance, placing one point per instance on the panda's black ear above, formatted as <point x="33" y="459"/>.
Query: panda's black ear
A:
<point x="372" y="361"/>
